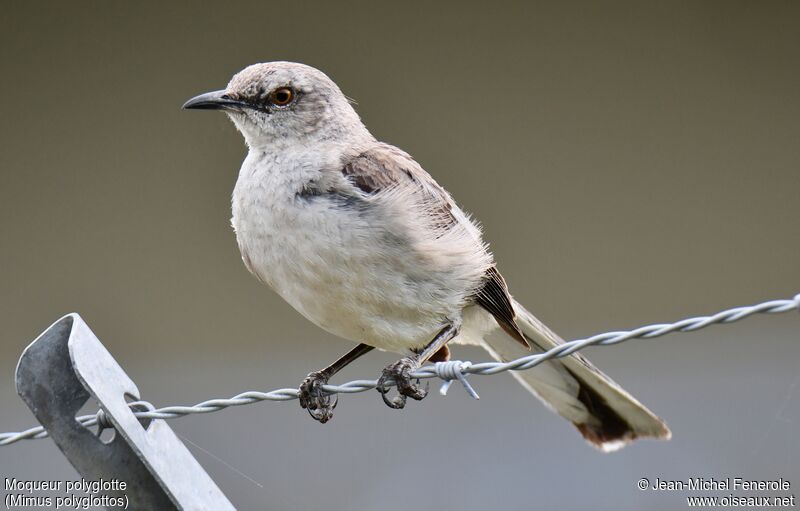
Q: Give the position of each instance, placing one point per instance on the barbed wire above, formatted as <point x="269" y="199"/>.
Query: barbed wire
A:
<point x="446" y="371"/>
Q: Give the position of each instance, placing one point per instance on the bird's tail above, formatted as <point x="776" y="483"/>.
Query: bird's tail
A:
<point x="605" y="414"/>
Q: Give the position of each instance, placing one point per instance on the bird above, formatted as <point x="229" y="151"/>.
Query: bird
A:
<point x="357" y="237"/>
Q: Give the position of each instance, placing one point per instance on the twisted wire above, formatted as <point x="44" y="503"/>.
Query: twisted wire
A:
<point x="455" y="370"/>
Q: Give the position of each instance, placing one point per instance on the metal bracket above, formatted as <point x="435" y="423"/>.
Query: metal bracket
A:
<point x="59" y="372"/>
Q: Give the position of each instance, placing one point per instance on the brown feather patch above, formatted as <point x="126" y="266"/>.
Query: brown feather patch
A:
<point x="384" y="167"/>
<point x="611" y="426"/>
<point x="493" y="297"/>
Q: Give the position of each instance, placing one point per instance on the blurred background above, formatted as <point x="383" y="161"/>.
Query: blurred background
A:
<point x="631" y="163"/>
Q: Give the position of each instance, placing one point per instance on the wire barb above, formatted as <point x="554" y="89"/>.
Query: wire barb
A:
<point x="447" y="372"/>
<point x="450" y="371"/>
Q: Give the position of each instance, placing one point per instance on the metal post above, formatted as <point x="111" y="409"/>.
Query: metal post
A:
<point x="59" y="372"/>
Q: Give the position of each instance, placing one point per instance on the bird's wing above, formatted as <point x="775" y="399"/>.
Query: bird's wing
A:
<point x="493" y="297"/>
<point x="386" y="170"/>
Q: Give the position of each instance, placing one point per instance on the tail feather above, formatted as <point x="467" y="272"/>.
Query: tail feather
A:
<point x="604" y="413"/>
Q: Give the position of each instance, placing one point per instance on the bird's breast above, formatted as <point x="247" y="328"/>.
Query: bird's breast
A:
<point x="335" y="263"/>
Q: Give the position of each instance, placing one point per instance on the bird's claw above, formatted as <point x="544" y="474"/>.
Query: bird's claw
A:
<point x="400" y="372"/>
<point x="319" y="404"/>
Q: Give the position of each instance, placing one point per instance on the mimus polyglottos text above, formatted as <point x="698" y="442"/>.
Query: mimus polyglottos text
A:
<point x="357" y="237"/>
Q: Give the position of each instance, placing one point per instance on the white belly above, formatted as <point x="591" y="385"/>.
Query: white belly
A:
<point x="339" y="268"/>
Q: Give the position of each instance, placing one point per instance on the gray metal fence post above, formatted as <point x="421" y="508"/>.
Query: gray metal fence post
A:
<point x="58" y="373"/>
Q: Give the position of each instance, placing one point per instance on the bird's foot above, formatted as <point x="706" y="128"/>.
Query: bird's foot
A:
<point x="400" y="372"/>
<point x="319" y="405"/>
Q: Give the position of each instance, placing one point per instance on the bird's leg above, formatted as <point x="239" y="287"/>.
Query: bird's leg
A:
<point x="312" y="398"/>
<point x="400" y="371"/>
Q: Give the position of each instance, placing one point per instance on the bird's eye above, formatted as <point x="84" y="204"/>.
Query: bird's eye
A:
<point x="281" y="96"/>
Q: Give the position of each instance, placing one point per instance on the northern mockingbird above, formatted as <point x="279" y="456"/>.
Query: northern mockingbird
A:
<point x="359" y="239"/>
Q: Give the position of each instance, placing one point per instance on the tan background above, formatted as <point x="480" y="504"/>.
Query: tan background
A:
<point x="631" y="163"/>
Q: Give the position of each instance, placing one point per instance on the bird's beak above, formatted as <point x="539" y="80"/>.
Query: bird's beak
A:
<point x="217" y="100"/>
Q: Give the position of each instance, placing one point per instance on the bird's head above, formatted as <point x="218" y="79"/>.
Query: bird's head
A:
<point x="284" y="103"/>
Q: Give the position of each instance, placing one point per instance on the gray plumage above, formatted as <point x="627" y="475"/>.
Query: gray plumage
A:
<point x="357" y="237"/>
